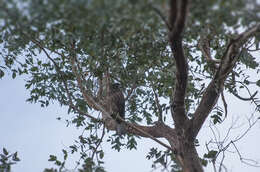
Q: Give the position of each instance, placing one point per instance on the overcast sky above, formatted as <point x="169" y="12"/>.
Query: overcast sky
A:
<point x="35" y="133"/>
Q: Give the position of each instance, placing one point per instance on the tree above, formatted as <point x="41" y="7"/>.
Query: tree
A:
<point x="172" y="68"/>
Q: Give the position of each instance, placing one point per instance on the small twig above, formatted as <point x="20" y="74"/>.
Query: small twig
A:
<point x="157" y="11"/>
<point x="243" y="98"/>
<point x="213" y="161"/>
<point x="224" y="103"/>
<point x="130" y="92"/>
<point x="221" y="162"/>
<point x="252" y="96"/>
<point x="248" y="129"/>
<point x="158" y="105"/>
<point x="100" y="141"/>
<point x="243" y="160"/>
<point x="257" y="49"/>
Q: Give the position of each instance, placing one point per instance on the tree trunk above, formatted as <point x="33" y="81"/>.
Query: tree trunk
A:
<point x="187" y="155"/>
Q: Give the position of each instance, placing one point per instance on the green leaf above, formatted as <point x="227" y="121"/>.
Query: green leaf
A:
<point x="5" y="151"/>
<point x="57" y="162"/>
<point x="65" y="154"/>
<point x="34" y="69"/>
<point x="258" y="83"/>
<point x="211" y="154"/>
<point x="204" y="162"/>
<point x="15" y="157"/>
<point x="14" y="75"/>
<point x="216" y="118"/>
<point x="1" y="73"/>
<point x="247" y="59"/>
<point x="101" y="155"/>
<point x="52" y="158"/>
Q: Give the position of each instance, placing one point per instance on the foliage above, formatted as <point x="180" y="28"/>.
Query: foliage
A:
<point x="130" y="39"/>
<point x="7" y="160"/>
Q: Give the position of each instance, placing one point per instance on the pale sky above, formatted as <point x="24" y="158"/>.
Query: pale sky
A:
<point x="35" y="133"/>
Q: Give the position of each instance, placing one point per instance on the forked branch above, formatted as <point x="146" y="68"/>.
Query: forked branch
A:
<point x="204" y="46"/>
<point x="215" y="87"/>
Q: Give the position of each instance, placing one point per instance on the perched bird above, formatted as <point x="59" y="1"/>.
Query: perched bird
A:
<point x="116" y="102"/>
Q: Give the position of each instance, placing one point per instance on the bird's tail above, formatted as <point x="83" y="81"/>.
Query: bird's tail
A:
<point x="120" y="129"/>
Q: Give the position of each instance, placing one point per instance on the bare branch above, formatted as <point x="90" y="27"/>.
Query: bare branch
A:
<point x="252" y="96"/>
<point x="222" y="148"/>
<point x="221" y="165"/>
<point x="249" y="162"/>
<point x="100" y="141"/>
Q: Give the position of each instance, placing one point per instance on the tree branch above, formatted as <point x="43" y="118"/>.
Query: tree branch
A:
<point x="224" y="103"/>
<point x="251" y="98"/>
<point x="158" y="105"/>
<point x="129" y="93"/>
<point x="205" y="49"/>
<point x="99" y="142"/>
<point x="215" y="87"/>
<point x="178" y="15"/>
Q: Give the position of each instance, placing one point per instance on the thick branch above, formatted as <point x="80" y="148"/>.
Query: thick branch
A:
<point x="215" y="87"/>
<point x="178" y="15"/>
<point x="228" y="60"/>
<point x="159" y="130"/>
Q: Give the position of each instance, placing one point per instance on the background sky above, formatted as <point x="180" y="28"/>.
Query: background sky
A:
<point x="36" y="133"/>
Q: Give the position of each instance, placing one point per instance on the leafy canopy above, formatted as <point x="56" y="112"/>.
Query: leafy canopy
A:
<point x="130" y="39"/>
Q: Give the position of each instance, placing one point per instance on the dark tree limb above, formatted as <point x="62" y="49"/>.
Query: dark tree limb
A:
<point x="215" y="87"/>
<point x="187" y="155"/>
<point x="178" y="15"/>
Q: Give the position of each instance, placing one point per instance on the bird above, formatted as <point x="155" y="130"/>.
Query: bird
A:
<point x="116" y="102"/>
